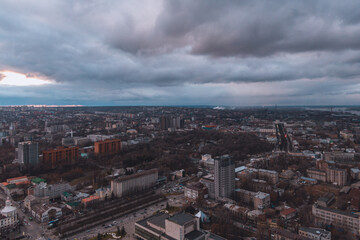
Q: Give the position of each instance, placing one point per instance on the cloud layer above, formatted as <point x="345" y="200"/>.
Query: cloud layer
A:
<point x="182" y="51"/>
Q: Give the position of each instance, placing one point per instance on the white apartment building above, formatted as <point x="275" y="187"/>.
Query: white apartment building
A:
<point x="346" y="220"/>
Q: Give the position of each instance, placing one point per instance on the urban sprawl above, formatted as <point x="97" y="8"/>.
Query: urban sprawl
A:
<point x="179" y="173"/>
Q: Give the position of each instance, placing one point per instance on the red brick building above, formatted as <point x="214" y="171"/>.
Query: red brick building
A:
<point x="107" y="147"/>
<point x="60" y="156"/>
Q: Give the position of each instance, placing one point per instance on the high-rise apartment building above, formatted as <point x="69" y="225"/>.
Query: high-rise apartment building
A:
<point x="60" y="156"/>
<point x="336" y="176"/>
<point x="28" y="153"/>
<point x="171" y="122"/>
<point x="108" y="146"/>
<point x="12" y="129"/>
<point x="164" y="123"/>
<point x="224" y="176"/>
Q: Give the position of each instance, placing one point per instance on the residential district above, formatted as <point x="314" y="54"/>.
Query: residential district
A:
<point x="183" y="173"/>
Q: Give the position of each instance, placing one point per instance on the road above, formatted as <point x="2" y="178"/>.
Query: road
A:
<point x="127" y="222"/>
<point x="34" y="229"/>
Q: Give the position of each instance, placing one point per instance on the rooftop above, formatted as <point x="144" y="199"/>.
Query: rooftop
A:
<point x="158" y="219"/>
<point x="181" y="218"/>
<point x="317" y="231"/>
<point x="136" y="175"/>
<point x="37" y="180"/>
<point x="194" y="235"/>
<point x="328" y="197"/>
<point x="288" y="211"/>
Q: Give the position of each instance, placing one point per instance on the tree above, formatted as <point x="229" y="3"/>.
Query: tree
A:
<point x="123" y="232"/>
<point x="190" y="209"/>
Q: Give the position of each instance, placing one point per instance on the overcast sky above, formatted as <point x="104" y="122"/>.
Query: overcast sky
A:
<point x="180" y="52"/>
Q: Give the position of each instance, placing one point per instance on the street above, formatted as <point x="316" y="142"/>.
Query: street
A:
<point x="32" y="229"/>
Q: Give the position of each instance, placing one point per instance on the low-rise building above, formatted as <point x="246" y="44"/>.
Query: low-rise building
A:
<point x="195" y="191"/>
<point x="181" y="226"/>
<point x="315" y="233"/>
<point x="9" y="216"/>
<point x="90" y="200"/>
<point x="355" y="173"/>
<point x="336" y="176"/>
<point x="50" y="190"/>
<point x="45" y="212"/>
<point x="283" y="234"/>
<point x="260" y="200"/>
<point x="288" y="213"/>
<point x="103" y="192"/>
<point x="208" y="181"/>
<point x="317" y="174"/>
<point x="346" y="220"/>
<point x="31" y="200"/>
<point x="269" y="176"/>
<point x="326" y="199"/>
<point x="237" y="211"/>
<point x="339" y="156"/>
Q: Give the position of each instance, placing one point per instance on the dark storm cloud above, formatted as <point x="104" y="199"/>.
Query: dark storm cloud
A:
<point x="228" y="28"/>
<point x="140" y="50"/>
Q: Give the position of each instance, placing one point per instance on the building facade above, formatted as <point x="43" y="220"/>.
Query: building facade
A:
<point x="133" y="183"/>
<point x="60" y="156"/>
<point x="208" y="181"/>
<point x="28" y="153"/>
<point x="107" y="147"/>
<point x="315" y="233"/>
<point x="51" y="190"/>
<point x="224" y="177"/>
<point x="195" y="191"/>
<point x="317" y="174"/>
<point x="260" y="200"/>
<point x="336" y="176"/>
<point x="181" y="226"/>
<point x="8" y="217"/>
<point x="45" y="212"/>
<point x="345" y="220"/>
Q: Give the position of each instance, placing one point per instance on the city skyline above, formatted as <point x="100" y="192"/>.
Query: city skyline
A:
<point x="228" y="53"/>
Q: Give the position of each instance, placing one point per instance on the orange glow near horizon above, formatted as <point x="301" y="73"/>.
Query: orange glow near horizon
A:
<point x="18" y="79"/>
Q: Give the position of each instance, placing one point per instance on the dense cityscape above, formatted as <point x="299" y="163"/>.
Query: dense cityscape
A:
<point x="179" y="173"/>
<point x="179" y="120"/>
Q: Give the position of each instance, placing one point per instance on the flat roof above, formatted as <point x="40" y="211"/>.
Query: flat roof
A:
<point x="240" y="169"/>
<point x="309" y="179"/>
<point x="158" y="219"/>
<point x="316" y="231"/>
<point x="181" y="218"/>
<point x="136" y="175"/>
<point x="194" y="235"/>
